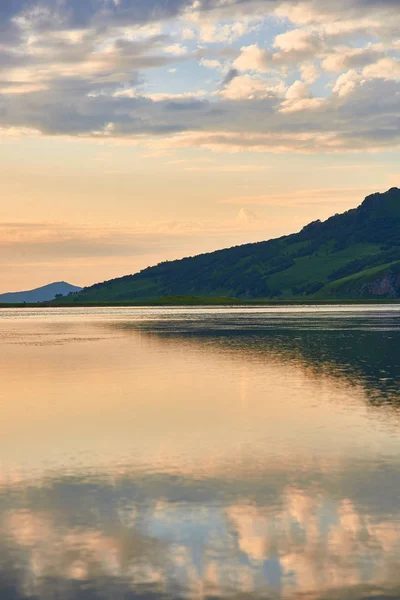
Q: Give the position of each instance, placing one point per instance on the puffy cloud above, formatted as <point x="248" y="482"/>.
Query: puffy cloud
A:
<point x="368" y="115"/>
<point x="346" y="83"/>
<point x="387" y="68"/>
<point x="296" y="46"/>
<point x="301" y="104"/>
<point x="246" y="87"/>
<point x="339" y="16"/>
<point x="351" y="58"/>
<point x="253" y="58"/>
<point x="309" y="73"/>
<point x="298" y="91"/>
<point x="367" y="118"/>
<point x="223" y="32"/>
<point x="176" y="50"/>
<point x="298" y="40"/>
<point x="79" y="68"/>
<point x="299" y="98"/>
<point x="211" y="64"/>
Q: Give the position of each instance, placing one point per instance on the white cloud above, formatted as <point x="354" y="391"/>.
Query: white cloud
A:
<point x="309" y="73"/>
<point x="299" y="98"/>
<point x="213" y="33"/>
<point x="346" y="83"/>
<point x="253" y="58"/>
<point x="298" y="40"/>
<point x="386" y="68"/>
<point x="66" y="80"/>
<point x="303" y="104"/>
<point x="166" y="96"/>
<point x="341" y="16"/>
<point x="176" y="50"/>
<point x="211" y="64"/>
<point x="188" y="34"/>
<point x="298" y="91"/>
<point x="246" y="87"/>
<point x="345" y="59"/>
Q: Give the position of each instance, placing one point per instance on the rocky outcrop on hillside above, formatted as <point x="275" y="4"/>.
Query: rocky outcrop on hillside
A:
<point x="386" y="286"/>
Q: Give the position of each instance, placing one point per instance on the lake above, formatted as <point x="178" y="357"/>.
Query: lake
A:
<point x="200" y="453"/>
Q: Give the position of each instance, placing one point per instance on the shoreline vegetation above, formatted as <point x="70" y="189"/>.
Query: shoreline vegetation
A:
<point x="173" y="301"/>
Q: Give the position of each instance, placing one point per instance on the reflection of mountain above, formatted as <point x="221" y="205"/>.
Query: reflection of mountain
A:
<point x="126" y="535"/>
<point x="359" y="348"/>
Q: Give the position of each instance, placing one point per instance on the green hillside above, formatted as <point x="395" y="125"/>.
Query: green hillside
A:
<point x="354" y="255"/>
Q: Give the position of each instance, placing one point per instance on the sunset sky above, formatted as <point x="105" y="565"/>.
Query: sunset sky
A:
<point x="134" y="131"/>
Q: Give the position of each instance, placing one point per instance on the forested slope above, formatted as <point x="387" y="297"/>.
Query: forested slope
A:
<point x="352" y="255"/>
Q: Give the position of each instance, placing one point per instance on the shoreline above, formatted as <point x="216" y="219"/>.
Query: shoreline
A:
<point x="232" y="303"/>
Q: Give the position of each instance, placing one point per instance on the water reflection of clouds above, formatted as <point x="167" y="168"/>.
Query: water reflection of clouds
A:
<point x="223" y="496"/>
<point x="117" y="534"/>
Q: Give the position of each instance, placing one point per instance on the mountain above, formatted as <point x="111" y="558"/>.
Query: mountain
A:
<point x="41" y="294"/>
<point x="351" y="255"/>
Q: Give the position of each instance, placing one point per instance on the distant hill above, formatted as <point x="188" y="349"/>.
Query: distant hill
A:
<point x="41" y="294"/>
<point x="354" y="255"/>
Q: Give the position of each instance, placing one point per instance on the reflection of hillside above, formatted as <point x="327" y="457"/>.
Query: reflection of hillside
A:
<point x="126" y="536"/>
<point x="205" y="511"/>
<point x="365" y="352"/>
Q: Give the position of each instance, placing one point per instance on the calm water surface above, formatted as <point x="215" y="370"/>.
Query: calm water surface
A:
<point x="200" y="453"/>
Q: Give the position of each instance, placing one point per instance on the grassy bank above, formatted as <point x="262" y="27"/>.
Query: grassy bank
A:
<point x="197" y="301"/>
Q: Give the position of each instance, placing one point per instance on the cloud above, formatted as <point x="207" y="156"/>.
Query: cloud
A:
<point x="299" y="98"/>
<point x="246" y="215"/>
<point x="35" y="243"/>
<point x="302" y="104"/>
<point x="77" y="14"/>
<point x="228" y="168"/>
<point x="81" y="13"/>
<point x="304" y="197"/>
<point x="211" y="64"/>
<point x="176" y="50"/>
<point x="229" y="77"/>
<point x="299" y="40"/>
<point x="253" y="58"/>
<point x="386" y="68"/>
<point x="366" y="118"/>
<point x="351" y="58"/>
<point x="346" y="83"/>
<point x="247" y="87"/>
<point x="341" y="15"/>
<point x="298" y="91"/>
<point x="309" y="73"/>
<point x="83" y="69"/>
<point x="366" y="114"/>
<point x="224" y="32"/>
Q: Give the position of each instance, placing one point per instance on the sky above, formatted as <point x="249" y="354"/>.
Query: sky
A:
<point x="137" y="131"/>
